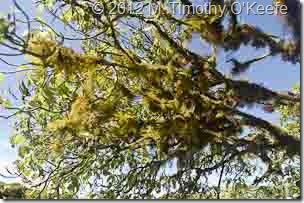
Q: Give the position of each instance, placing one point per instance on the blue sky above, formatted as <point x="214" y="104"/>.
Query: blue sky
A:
<point x="271" y="72"/>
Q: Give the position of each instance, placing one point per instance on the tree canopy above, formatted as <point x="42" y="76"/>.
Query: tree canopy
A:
<point x="131" y="110"/>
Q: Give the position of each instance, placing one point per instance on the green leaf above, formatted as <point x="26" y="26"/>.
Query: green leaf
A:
<point x="2" y="77"/>
<point x="23" y="151"/>
<point x="18" y="139"/>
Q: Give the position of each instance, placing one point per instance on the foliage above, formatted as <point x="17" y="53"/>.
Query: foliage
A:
<point x="138" y="114"/>
<point x="11" y="191"/>
<point x="291" y="116"/>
